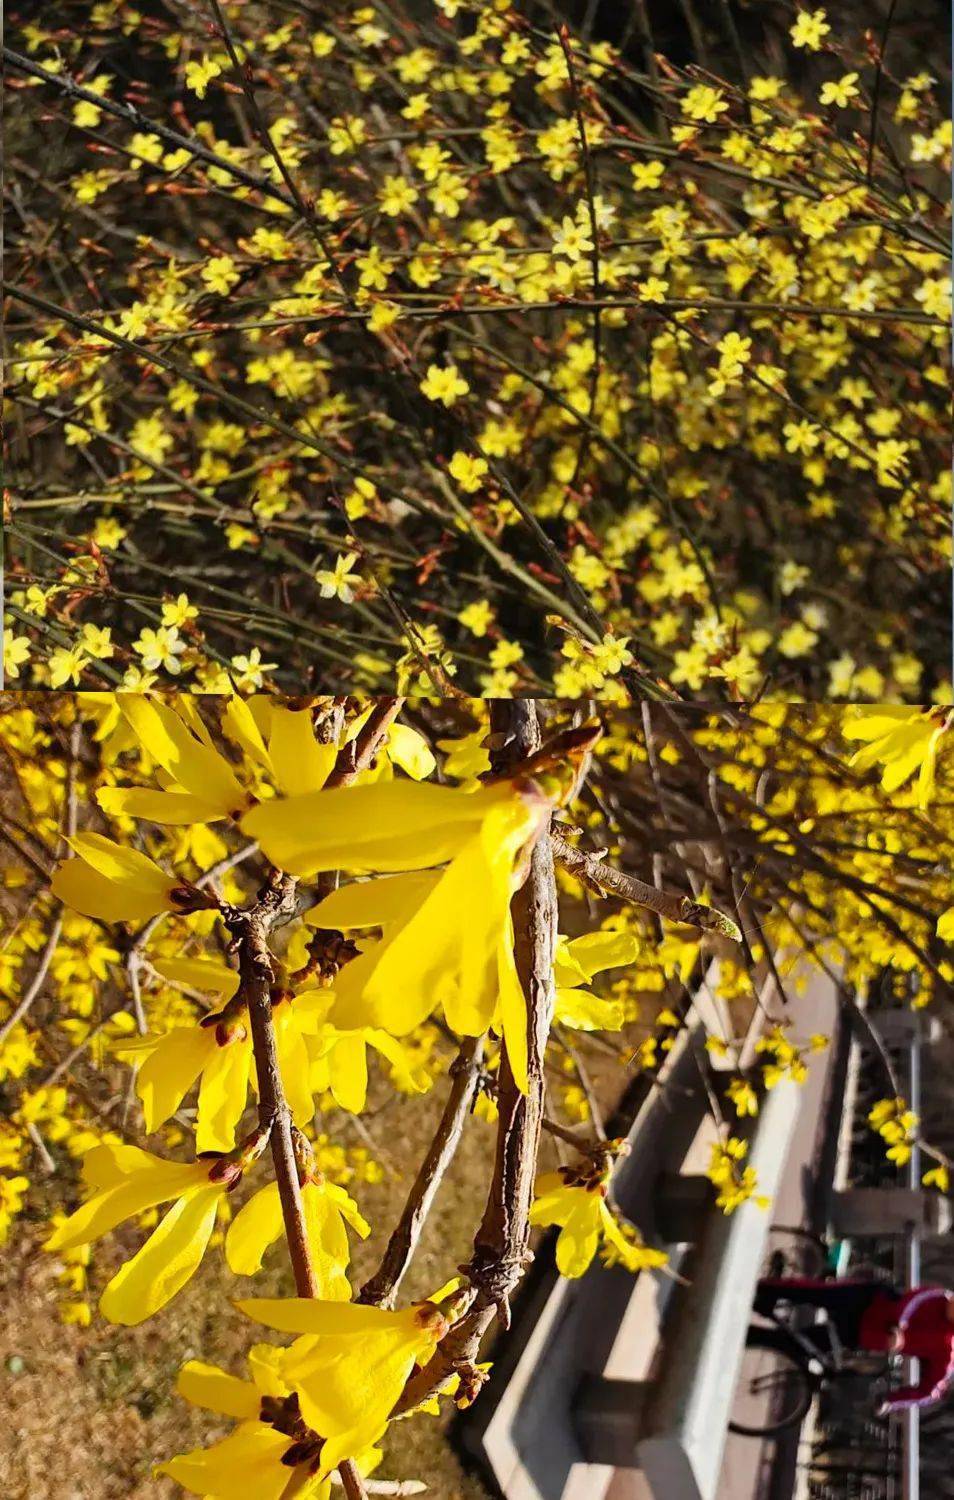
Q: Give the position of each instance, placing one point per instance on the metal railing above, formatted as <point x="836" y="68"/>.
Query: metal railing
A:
<point x="911" y="1430"/>
<point x="855" y="1456"/>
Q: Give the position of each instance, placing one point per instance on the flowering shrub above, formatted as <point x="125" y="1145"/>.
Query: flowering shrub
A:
<point x="272" y="908"/>
<point x="446" y="349"/>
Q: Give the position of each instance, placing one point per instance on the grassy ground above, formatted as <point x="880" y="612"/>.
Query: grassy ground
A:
<point x="88" y="1411"/>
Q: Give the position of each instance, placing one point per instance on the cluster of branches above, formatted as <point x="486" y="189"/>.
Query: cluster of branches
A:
<point x="595" y="456"/>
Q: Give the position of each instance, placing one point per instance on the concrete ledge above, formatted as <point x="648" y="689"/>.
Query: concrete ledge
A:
<point x="680" y="1427"/>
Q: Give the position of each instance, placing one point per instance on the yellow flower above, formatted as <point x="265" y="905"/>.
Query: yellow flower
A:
<point x="841" y="91"/>
<point x="339" y="1062"/>
<point x="199" y="74"/>
<point x="160" y="648"/>
<point x="220" y="274"/>
<point x="126" y="1182"/>
<point x="575" y="964"/>
<point x="477" y="617"/>
<point x="218" y="1053"/>
<point x="396" y="196"/>
<point x="736" y="1184"/>
<point x="339" y="582"/>
<point x="934" y="296"/>
<point x="444" y="383"/>
<point x="648" y="174"/>
<point x="653" y="289"/>
<point x="704" y="103"/>
<point x="581" y="1211"/>
<point x="905" y="741"/>
<point x="351" y="1364"/>
<point x="809" y="29"/>
<point x="178" y="611"/>
<point x="16" y="651"/>
<point x="269" y="1427"/>
<point x="67" y="665"/>
<point x="938" y="1177"/>
<point x="743" y="1097"/>
<point x="117" y="884"/>
<point x="466" y="758"/>
<point x="469" y="472"/>
<point x="447" y="934"/>
<point x="327" y="1209"/>
<point x="572" y="240"/>
<point x="203" y="789"/>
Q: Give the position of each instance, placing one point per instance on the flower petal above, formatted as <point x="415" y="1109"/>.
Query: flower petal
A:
<point x="410" y="751"/>
<point x="372" y="903"/>
<point x="216" y="1390"/>
<point x="196" y="767"/>
<point x="120" y="863"/>
<point x="585" y="1011"/>
<point x="595" y="951"/>
<point x="391" y="825"/>
<point x="222" y="1095"/>
<point x="199" y="974"/>
<point x="157" y="807"/>
<point x="348" y="1064"/>
<point x="123" y="1199"/>
<point x="294" y="1063"/>
<point x="239" y="724"/>
<point x="247" y="1462"/>
<point x="169" y="1258"/>
<point x="300" y="764"/>
<point x="86" y="891"/>
<point x="257" y="1225"/>
<point x="167" y="1075"/>
<point x="329" y="1319"/>
<point x="579" y="1236"/>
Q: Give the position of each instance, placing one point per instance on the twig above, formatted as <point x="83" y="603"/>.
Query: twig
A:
<point x="26" y="856"/>
<point x="584" y="1080"/>
<point x="563" y="34"/>
<point x="876" y="91"/>
<point x="358" y="754"/>
<point x="594" y="872"/>
<point x="260" y="126"/>
<point x="568" y="1135"/>
<point x="135" y="117"/>
<point x="388" y="1486"/>
<point x="46" y="957"/>
<point x="38" y="980"/>
<point x="381" y="1289"/>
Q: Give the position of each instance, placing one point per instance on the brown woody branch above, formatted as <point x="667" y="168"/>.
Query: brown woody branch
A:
<point x="250" y="931"/>
<point x="605" y="879"/>
<point x="358" y="754"/>
<point x="381" y="1289"/>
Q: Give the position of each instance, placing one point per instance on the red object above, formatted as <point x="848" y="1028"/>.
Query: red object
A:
<point x="922" y="1316"/>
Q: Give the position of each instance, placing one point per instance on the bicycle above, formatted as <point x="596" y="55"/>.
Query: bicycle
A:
<point x="785" y="1366"/>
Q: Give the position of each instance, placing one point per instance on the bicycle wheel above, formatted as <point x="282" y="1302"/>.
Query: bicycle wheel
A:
<point x="774" y="1390"/>
<point x="791" y="1251"/>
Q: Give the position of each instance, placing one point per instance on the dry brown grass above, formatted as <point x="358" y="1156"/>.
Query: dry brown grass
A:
<point x="88" y="1411"/>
